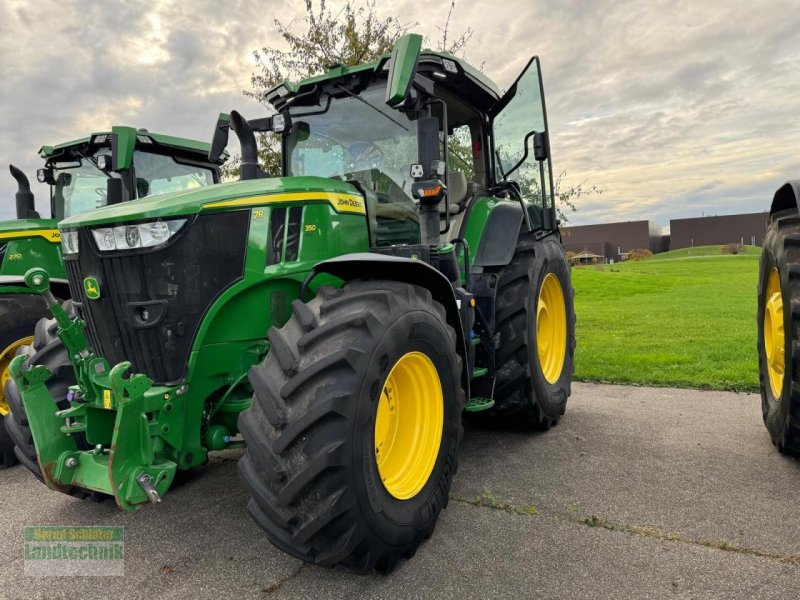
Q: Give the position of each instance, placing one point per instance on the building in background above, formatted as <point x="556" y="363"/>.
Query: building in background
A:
<point x="748" y="229"/>
<point x="612" y="241"/>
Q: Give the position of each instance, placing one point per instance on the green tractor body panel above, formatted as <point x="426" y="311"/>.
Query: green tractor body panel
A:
<point x="220" y="197"/>
<point x="25" y="244"/>
<point x="190" y="316"/>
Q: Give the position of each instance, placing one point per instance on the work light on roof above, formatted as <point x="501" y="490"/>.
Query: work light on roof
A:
<point x="449" y="65"/>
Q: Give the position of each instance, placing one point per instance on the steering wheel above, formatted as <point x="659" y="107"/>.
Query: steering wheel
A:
<point x="365" y="153"/>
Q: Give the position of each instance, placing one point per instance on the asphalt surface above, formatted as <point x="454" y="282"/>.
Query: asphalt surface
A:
<point x="637" y="493"/>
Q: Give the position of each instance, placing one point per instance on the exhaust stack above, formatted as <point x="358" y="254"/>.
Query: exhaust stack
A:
<point x="247" y="141"/>
<point x="26" y="209"/>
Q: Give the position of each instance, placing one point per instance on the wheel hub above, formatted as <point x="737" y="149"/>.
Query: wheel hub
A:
<point x="6" y="356"/>
<point x="551" y="328"/>
<point x="408" y="425"/>
<point x="774" y="339"/>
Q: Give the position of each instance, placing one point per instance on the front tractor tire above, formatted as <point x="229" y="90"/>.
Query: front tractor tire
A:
<point x="19" y="314"/>
<point x="353" y="433"/>
<point x="535" y="338"/>
<point x="779" y="330"/>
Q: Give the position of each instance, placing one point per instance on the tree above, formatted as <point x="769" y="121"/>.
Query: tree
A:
<point x="352" y="36"/>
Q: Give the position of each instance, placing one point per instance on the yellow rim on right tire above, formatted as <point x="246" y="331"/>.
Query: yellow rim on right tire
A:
<point x="551" y="328"/>
<point x="6" y="356"/>
<point x="774" y="340"/>
<point x="408" y="425"/>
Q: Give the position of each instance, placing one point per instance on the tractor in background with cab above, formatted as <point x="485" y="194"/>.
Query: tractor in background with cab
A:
<point x="101" y="169"/>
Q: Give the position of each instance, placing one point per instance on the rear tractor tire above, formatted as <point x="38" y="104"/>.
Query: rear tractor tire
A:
<point x="353" y="433"/>
<point x="535" y="336"/>
<point x="19" y="314"/>
<point x="779" y="330"/>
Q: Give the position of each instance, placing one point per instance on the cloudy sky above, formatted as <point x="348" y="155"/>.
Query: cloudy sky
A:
<point x="673" y="108"/>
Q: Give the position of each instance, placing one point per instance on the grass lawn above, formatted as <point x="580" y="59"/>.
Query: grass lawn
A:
<point x="676" y="319"/>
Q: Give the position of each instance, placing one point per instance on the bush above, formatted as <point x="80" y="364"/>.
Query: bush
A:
<point x="732" y="249"/>
<point x="571" y="257"/>
<point x="639" y="253"/>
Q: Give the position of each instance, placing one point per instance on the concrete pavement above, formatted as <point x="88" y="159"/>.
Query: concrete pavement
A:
<point x="637" y="493"/>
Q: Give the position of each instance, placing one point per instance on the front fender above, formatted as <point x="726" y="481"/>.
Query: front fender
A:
<point x="368" y="265"/>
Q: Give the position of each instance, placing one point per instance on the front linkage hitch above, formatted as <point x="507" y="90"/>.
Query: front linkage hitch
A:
<point x="126" y="423"/>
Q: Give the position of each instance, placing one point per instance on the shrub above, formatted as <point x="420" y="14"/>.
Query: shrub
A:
<point x="639" y="254"/>
<point x="732" y="249"/>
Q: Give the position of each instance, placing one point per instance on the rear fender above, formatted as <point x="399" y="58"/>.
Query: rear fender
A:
<point x="787" y="196"/>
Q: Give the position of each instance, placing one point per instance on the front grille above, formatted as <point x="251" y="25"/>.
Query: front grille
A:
<point x="153" y="301"/>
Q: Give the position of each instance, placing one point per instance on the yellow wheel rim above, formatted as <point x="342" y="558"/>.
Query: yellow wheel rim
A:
<point x="5" y="360"/>
<point x="408" y="425"/>
<point x="551" y="328"/>
<point x="774" y="341"/>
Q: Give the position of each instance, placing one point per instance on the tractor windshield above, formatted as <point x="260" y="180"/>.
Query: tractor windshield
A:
<point x="361" y="139"/>
<point x="160" y="174"/>
<point x="80" y="185"/>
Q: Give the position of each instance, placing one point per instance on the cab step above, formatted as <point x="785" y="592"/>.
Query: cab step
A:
<point x="477" y="404"/>
<point x="479" y="372"/>
<point x="475" y="341"/>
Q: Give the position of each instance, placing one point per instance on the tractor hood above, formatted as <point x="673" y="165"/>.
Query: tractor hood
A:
<point x="27" y="228"/>
<point x="225" y="196"/>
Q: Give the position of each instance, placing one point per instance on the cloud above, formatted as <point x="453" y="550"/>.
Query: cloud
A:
<point x="673" y="108"/>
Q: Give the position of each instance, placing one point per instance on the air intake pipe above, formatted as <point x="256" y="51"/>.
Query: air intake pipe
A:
<point x="247" y="141"/>
<point x="26" y="209"/>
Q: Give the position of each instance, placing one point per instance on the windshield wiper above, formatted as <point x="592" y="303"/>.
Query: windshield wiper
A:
<point x="373" y="107"/>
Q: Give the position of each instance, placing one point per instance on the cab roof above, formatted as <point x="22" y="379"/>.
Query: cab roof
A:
<point x="187" y="145"/>
<point x="468" y="82"/>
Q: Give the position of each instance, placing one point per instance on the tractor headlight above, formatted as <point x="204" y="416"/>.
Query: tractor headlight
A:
<point x="140" y="235"/>
<point x="69" y="242"/>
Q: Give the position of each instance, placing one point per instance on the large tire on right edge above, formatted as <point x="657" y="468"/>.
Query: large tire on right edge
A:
<point x="535" y="322"/>
<point x="779" y="330"/>
<point x="354" y="429"/>
<point x="19" y="314"/>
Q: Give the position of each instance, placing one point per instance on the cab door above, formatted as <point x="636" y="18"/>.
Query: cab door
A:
<point x="521" y="147"/>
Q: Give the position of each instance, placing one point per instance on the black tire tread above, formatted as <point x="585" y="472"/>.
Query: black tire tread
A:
<point x="298" y="425"/>
<point x="19" y="314"/>
<point x="782" y="241"/>
<point x="516" y="401"/>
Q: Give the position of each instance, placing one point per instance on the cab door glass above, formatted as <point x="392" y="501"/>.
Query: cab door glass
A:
<point x="520" y="112"/>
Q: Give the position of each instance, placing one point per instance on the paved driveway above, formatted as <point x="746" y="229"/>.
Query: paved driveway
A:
<point x="637" y="493"/>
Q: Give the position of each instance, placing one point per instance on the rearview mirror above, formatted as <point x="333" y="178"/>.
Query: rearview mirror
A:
<point x="220" y="138"/>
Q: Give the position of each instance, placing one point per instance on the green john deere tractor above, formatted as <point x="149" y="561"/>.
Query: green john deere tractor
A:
<point x="405" y="268"/>
<point x="103" y="168"/>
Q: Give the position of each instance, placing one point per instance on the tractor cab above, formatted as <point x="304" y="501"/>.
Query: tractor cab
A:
<point x="422" y="135"/>
<point x="120" y="165"/>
